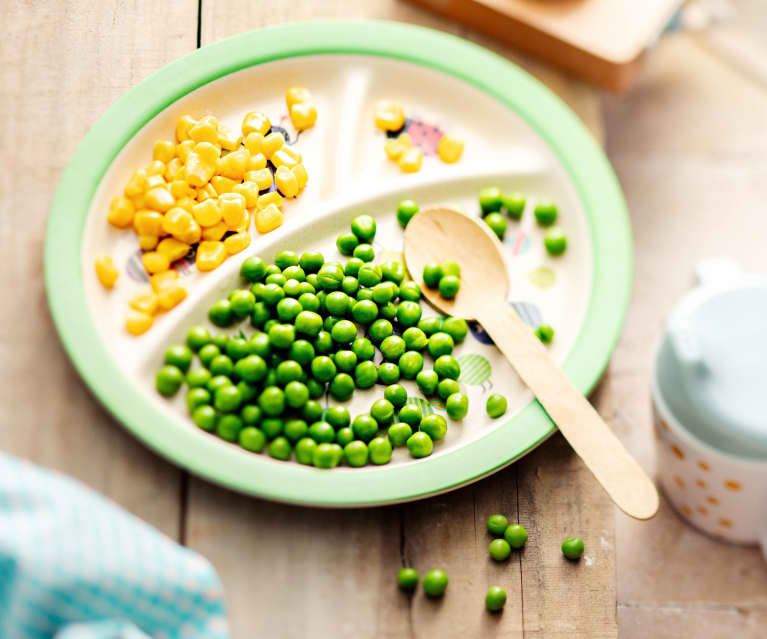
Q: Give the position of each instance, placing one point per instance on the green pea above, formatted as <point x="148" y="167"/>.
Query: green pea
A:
<point x="288" y="309"/>
<point x="237" y="348"/>
<point x="410" y="291"/>
<point x="380" y="450"/>
<point x="451" y="267"/>
<point x="179" y="356"/>
<point x="197" y="377"/>
<point x="247" y="391"/>
<point x="330" y="276"/>
<point x="490" y="200"/>
<point x="415" y="339"/>
<point x="399" y="433"/>
<point x="393" y="347"/>
<point x="516" y="535"/>
<point x="514" y="203"/>
<point x="271" y="378"/>
<point x="323" y="343"/>
<point x="430" y="325"/>
<point x="327" y="455"/>
<point x="393" y="271"/>
<point x="407" y="578"/>
<point x="330" y="322"/>
<point x="363" y="348"/>
<point x="309" y="302"/>
<point x="294" y="273"/>
<point x="365" y="427"/>
<point x="352" y="267"/>
<point x="292" y="287"/>
<point x="350" y="285"/>
<point x="369" y="275"/>
<point x="382" y="411"/>
<point x="227" y="399"/>
<point x="379" y="330"/>
<point x="252" y="439"/>
<point x="272" y="401"/>
<point x="221" y="313"/>
<point x="545" y="333"/>
<point x="342" y="386"/>
<point x="323" y="368"/>
<point x="280" y="448"/>
<point x="410" y="364"/>
<point x="205" y="417"/>
<point x="296" y="394"/>
<point x="344" y="332"/>
<point x="364" y="294"/>
<point x="495" y="599"/>
<point x="440" y="343"/>
<point x="456" y="327"/>
<point x="259" y="345"/>
<point x="219" y="381"/>
<point x="457" y="406"/>
<point x="384" y="292"/>
<point x="434" y="425"/>
<point x="405" y="212"/>
<point x="388" y="311"/>
<point x="420" y="445"/>
<point x="545" y="213"/>
<point x="427" y="382"/>
<point x="555" y="241"/>
<point x="168" y="380"/>
<point x="322" y="432"/>
<point x="312" y="411"/>
<point x="449" y="286"/>
<point x="288" y="371"/>
<point x="496" y="405"/>
<point x="344" y="436"/>
<point x="356" y="453"/>
<point x="337" y="303"/>
<point x="447" y="387"/>
<point x="301" y="351"/>
<point x="197" y="397"/>
<point x="388" y="373"/>
<point x="250" y="414"/>
<point x="305" y="451"/>
<point x="345" y="360"/>
<point x="499" y="549"/>
<point x="572" y="548"/>
<point x="276" y="278"/>
<point x="364" y="227"/>
<point x="497" y="224"/>
<point x="410" y="414"/>
<point x="365" y="252"/>
<point x="364" y="312"/>
<point x="365" y="374"/>
<point x="409" y="313"/>
<point x="197" y="337"/>
<point x="285" y="259"/>
<point x="308" y="323"/>
<point x="253" y="269"/>
<point x="273" y="268"/>
<point x="337" y="417"/>
<point x="242" y="303"/>
<point x="313" y="280"/>
<point x="447" y="366"/>
<point x="396" y="394"/>
<point x="311" y="261"/>
<point x="497" y="524"/>
<point x="260" y="315"/>
<point x="271" y="427"/>
<point x="432" y="274"/>
<point x="435" y="583"/>
<point x="282" y="335"/>
<point x="228" y="427"/>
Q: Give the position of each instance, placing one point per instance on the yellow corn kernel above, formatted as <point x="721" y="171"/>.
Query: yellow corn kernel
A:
<point x="173" y="249"/>
<point x="159" y="199"/>
<point x="138" y="201"/>
<point x="295" y="95"/>
<point x="236" y="243"/>
<point x="302" y="177"/>
<point x="157" y="167"/>
<point x="207" y="213"/>
<point x="209" y="153"/>
<point x="248" y="190"/>
<point x="222" y="184"/>
<point x="405" y="139"/>
<point x="206" y="192"/>
<point x="256" y="162"/>
<point x="232" y="207"/>
<point x="155" y="262"/>
<point x="145" y="301"/>
<point x="268" y="219"/>
<point x="147" y="222"/>
<point x="138" y="322"/>
<point x="159" y="280"/>
<point x="164" y="150"/>
<point x="121" y="211"/>
<point x="254" y="143"/>
<point x="262" y="178"/>
<point x="183" y="126"/>
<point x="210" y="255"/>
<point x="215" y="232"/>
<point x="106" y="271"/>
<point x="212" y="120"/>
<point x="286" y="182"/>
<point x="303" y="115"/>
<point x="137" y="184"/>
<point x="389" y="116"/>
<point x="272" y="143"/>
<point x="204" y="132"/>
<point x="186" y="202"/>
<point x="148" y="242"/>
<point x="170" y="295"/>
<point x="184" y="149"/>
<point x="449" y="149"/>
<point x="269" y="198"/>
<point x="286" y="157"/>
<point x="180" y="224"/>
<point x="174" y="170"/>
<point x="257" y="122"/>
<point x="196" y="172"/>
<point x="153" y="181"/>
<point x="178" y="189"/>
<point x="227" y="138"/>
<point x="395" y="147"/>
<point x="410" y="160"/>
<point x="242" y="228"/>
<point x="233" y="165"/>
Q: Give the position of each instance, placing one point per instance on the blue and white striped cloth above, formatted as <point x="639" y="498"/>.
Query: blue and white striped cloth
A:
<point x="75" y="566"/>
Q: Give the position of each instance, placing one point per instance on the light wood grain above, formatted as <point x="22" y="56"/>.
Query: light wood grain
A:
<point x="63" y="64"/>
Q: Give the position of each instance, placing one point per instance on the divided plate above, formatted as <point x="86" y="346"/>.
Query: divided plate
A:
<point x="518" y="136"/>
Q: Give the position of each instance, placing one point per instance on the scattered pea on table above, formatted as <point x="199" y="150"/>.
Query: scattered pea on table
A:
<point x="495" y="599"/>
<point x="497" y="524"/>
<point x="407" y="578"/>
<point x="435" y="583"/>
<point x="572" y="548"/>
<point x="499" y="549"/>
<point x="496" y="405"/>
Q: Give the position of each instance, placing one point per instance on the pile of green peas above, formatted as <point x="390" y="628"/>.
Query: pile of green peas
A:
<point x="317" y="327"/>
<point x="445" y="277"/>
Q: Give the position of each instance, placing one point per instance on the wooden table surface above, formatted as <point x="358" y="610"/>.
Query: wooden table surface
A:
<point x="688" y="146"/>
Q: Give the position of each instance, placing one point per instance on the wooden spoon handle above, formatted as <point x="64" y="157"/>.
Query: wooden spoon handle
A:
<point x="620" y="475"/>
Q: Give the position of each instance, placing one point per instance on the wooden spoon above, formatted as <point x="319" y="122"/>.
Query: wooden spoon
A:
<point x="440" y="234"/>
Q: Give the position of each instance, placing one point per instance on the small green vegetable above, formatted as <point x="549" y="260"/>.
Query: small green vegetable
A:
<point x="407" y="578"/>
<point x="497" y="524"/>
<point x="168" y="380"/>
<point x="499" y="549"/>
<point x="490" y="200"/>
<point x="432" y="274"/>
<point x="435" y="583"/>
<point x="545" y="213"/>
<point x="495" y="599"/>
<point x="497" y="223"/>
<point x="364" y="227"/>
<point x="419" y="444"/>
<point x="496" y="405"/>
<point x="572" y="548"/>
<point x="555" y="241"/>
<point x="514" y="204"/>
<point x="449" y="286"/>
<point x="405" y="212"/>
<point x="545" y="333"/>
<point x="516" y="535"/>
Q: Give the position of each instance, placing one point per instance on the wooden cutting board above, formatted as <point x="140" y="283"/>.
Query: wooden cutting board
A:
<point x="601" y="41"/>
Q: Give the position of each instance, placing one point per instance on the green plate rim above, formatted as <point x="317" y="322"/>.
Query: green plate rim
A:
<point x="259" y="475"/>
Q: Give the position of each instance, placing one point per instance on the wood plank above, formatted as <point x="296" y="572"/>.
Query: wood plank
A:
<point x="64" y="63"/>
